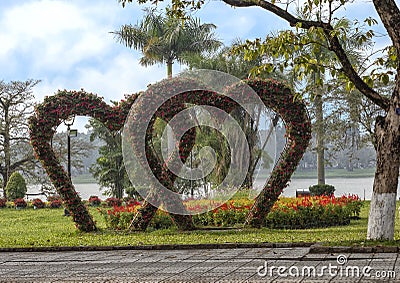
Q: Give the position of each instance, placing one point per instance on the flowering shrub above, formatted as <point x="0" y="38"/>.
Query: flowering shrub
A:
<point x="312" y="212"/>
<point x="20" y="202"/>
<point x="56" y="203"/>
<point x="319" y="190"/>
<point x="94" y="201"/>
<point x="128" y="201"/>
<point x="287" y="213"/>
<point x="38" y="203"/>
<point x="3" y="202"/>
<point x="113" y="201"/>
<point x="119" y="217"/>
<point x="228" y="214"/>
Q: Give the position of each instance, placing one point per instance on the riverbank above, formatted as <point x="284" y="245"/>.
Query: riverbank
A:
<point x="335" y="173"/>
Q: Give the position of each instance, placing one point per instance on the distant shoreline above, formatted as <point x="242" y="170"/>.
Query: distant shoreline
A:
<point x="304" y="174"/>
<point x="336" y="173"/>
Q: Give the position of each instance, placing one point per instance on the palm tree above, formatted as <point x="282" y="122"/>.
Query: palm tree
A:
<point x="164" y="39"/>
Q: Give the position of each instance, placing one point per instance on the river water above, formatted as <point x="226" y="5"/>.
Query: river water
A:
<point x="344" y="186"/>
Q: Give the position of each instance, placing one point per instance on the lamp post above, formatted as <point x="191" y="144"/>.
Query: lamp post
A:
<point x="69" y="122"/>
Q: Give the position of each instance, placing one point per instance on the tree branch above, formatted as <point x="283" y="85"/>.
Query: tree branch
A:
<point x="335" y="45"/>
<point x="21" y="162"/>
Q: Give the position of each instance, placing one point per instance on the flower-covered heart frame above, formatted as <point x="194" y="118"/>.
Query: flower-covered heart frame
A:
<point x="56" y="109"/>
<point x="275" y="95"/>
<point x="42" y="127"/>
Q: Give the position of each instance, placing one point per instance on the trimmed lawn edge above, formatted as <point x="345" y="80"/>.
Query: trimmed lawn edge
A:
<point x="315" y="248"/>
<point x="160" y="247"/>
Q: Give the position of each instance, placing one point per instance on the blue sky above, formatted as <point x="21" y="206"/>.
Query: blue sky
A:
<point x="67" y="45"/>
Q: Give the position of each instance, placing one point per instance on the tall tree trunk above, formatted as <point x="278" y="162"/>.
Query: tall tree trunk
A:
<point x="7" y="149"/>
<point x="319" y="126"/>
<point x="169" y="69"/>
<point x="383" y="203"/>
<point x="3" y="175"/>
<point x="387" y="135"/>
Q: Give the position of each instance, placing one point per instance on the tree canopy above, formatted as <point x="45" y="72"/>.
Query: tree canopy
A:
<point x="166" y="39"/>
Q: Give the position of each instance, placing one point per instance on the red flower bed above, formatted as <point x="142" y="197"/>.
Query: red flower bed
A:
<point x="113" y="201"/>
<point x="94" y="201"/>
<point x="20" y="202"/>
<point x="56" y="203"/>
<point x="3" y="202"/>
<point x="38" y="203"/>
<point x="287" y="213"/>
<point x="312" y="212"/>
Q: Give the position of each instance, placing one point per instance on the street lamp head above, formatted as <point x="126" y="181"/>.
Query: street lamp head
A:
<point x="69" y="121"/>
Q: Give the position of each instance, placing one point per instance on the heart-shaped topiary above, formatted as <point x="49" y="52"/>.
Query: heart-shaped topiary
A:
<point x="274" y="95"/>
<point x="56" y="109"/>
<point x="43" y="124"/>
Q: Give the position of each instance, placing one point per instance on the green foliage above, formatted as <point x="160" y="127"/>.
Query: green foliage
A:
<point x="165" y="39"/>
<point x="321" y="190"/>
<point x="109" y="169"/>
<point x="16" y="186"/>
<point x="119" y="218"/>
<point x="308" y="217"/>
<point x="226" y="61"/>
<point x="306" y="53"/>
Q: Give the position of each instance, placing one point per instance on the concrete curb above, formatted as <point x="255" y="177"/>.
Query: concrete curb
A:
<point x="319" y="249"/>
<point x="160" y="247"/>
<point x="315" y="248"/>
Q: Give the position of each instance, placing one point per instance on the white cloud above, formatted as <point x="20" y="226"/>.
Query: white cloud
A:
<point x="120" y="76"/>
<point x="52" y="35"/>
<point x="34" y="21"/>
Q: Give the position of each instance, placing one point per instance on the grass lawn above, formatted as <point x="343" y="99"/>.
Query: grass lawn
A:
<point x="335" y="173"/>
<point x="47" y="227"/>
<point x="84" y="179"/>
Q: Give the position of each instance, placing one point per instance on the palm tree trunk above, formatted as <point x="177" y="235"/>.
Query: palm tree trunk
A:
<point x="169" y="69"/>
<point x="319" y="125"/>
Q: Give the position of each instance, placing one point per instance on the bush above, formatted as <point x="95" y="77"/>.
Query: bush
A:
<point x="16" y="186"/>
<point x="313" y="212"/>
<point x="3" y="202"/>
<point x="38" y="203"/>
<point x="322" y="190"/>
<point x="113" y="201"/>
<point x="20" y="202"/>
<point x="94" y="201"/>
<point x="55" y="203"/>
<point x="50" y="198"/>
<point x="131" y="201"/>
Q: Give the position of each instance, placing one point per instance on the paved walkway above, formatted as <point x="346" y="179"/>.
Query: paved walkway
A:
<point x="199" y="265"/>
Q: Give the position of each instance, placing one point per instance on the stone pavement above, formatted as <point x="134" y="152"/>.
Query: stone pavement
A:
<point x="199" y="265"/>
